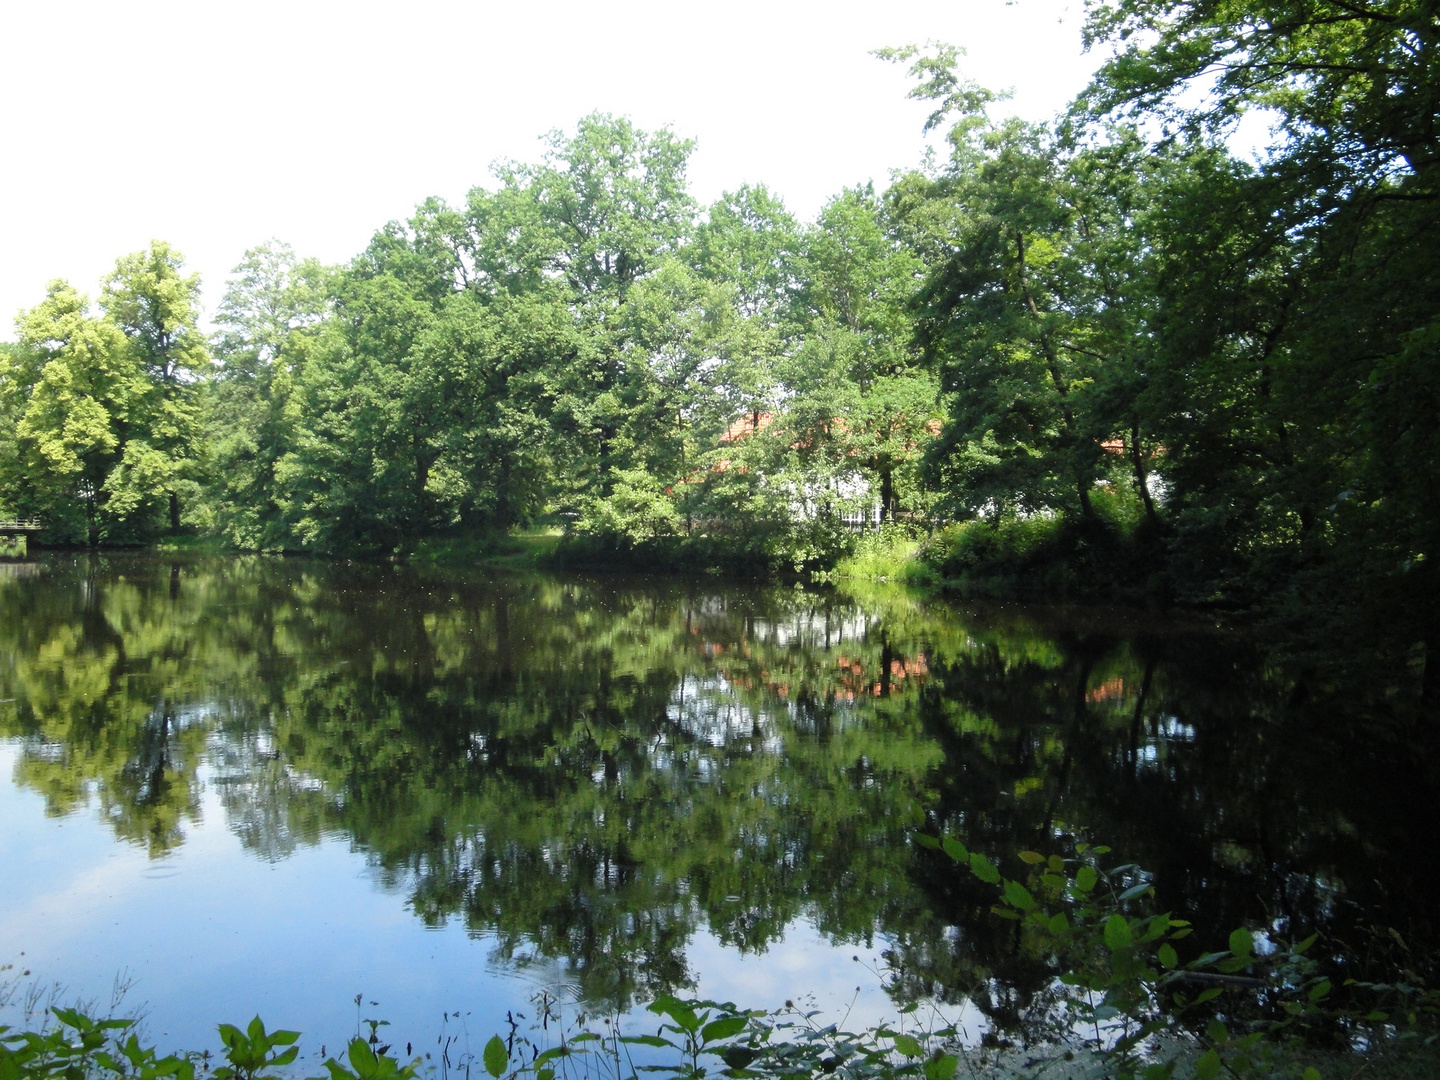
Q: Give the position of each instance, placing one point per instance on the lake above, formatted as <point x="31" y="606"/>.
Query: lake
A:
<point x="331" y="792"/>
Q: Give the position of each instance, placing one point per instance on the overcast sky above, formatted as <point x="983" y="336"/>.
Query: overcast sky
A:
<point x="215" y="125"/>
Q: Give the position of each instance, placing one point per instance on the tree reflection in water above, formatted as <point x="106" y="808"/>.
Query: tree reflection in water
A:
<point x="593" y="769"/>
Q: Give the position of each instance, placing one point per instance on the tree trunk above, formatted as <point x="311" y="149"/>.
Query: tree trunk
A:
<point x="887" y="495"/>
<point x="174" y="514"/>
<point x="1082" y="488"/>
<point x="607" y="439"/>
<point x="502" y="496"/>
<point x="1137" y="461"/>
<point x="422" y="481"/>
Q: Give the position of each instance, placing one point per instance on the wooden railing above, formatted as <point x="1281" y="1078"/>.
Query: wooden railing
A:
<point x="15" y="525"/>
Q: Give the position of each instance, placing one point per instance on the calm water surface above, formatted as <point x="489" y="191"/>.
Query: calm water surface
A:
<point x="271" y="785"/>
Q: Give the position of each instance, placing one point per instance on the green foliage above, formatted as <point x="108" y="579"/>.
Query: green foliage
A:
<point x="106" y="410"/>
<point x="578" y="343"/>
<point x="157" y="309"/>
<point x="255" y="1054"/>
<point x="636" y="509"/>
<point x="368" y="1063"/>
<point x="1114" y="554"/>
<point x="1007" y="545"/>
<point x="1294" y="298"/>
<point x="1127" y="986"/>
<point x="268" y="323"/>
<point x="1350" y="84"/>
<point x="695" y="1037"/>
<point x="78" y="1048"/>
<point x="884" y="554"/>
<point x="1119" y="299"/>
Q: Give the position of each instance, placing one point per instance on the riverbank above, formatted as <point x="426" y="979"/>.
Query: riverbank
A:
<point x="1116" y="557"/>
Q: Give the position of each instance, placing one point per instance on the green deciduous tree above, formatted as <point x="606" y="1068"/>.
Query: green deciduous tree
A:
<point x="1337" y="238"/>
<point x="612" y="199"/>
<point x="1353" y="86"/>
<point x="858" y="402"/>
<point x="269" y="321"/>
<point x="71" y="386"/>
<point x="156" y="307"/>
<point x="493" y="363"/>
<point x="1001" y="313"/>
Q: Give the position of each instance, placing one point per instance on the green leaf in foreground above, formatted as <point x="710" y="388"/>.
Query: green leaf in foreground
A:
<point x="1117" y="933"/>
<point x="724" y="1028"/>
<point x="984" y="869"/>
<point x="497" y="1058"/>
<point x="908" y="1045"/>
<point x="1016" y="895"/>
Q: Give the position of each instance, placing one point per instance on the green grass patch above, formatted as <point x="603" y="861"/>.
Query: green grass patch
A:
<point x="889" y="554"/>
<point x="502" y="551"/>
<point x="201" y="544"/>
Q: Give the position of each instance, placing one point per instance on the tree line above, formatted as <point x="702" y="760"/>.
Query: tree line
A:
<point x="574" y="343"/>
<point x="1111" y="321"/>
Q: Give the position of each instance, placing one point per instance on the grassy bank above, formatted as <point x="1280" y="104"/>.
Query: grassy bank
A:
<point x="500" y="551"/>
<point x="1047" y="556"/>
<point x="891" y="554"/>
<point x="1113" y="555"/>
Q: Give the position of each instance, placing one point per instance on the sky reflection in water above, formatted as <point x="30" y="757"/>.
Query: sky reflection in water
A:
<point x="210" y="932"/>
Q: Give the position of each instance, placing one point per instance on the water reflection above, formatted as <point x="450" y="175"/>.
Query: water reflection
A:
<point x="592" y="771"/>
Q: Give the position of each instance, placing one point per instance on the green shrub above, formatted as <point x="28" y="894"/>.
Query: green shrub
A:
<point x="1003" y="547"/>
<point x="1115" y="554"/>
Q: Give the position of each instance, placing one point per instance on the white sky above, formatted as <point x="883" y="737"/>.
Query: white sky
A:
<point x="218" y="125"/>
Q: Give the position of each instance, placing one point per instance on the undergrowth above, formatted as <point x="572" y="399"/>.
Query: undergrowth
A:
<point x="1115" y="554"/>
